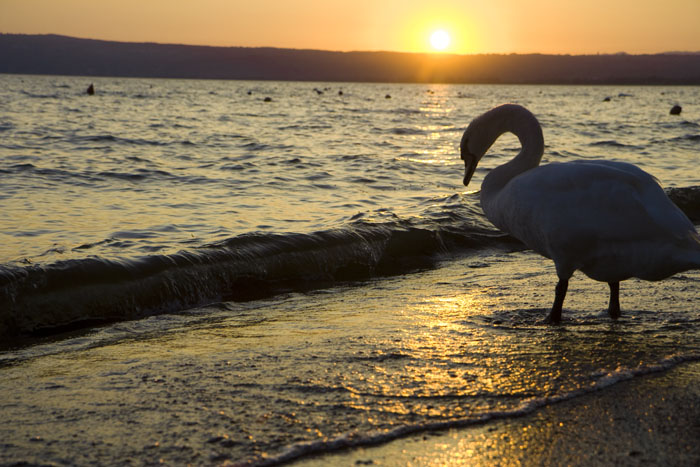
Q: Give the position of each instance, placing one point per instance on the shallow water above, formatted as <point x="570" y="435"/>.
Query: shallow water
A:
<point x="276" y="279"/>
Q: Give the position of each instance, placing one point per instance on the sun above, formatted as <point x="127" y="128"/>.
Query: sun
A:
<point x="440" y="39"/>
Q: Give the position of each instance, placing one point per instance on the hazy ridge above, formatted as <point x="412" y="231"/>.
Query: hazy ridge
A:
<point x="61" y="55"/>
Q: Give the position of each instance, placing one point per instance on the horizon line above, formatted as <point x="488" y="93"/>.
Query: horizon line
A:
<point x="436" y="54"/>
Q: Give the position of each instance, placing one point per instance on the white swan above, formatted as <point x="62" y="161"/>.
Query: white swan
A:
<point x="610" y="220"/>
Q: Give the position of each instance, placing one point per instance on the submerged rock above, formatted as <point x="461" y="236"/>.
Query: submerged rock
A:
<point x="676" y="110"/>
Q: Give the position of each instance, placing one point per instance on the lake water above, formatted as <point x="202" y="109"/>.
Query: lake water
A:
<point x="193" y="274"/>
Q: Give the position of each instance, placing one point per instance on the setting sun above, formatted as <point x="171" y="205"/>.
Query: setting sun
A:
<point x="440" y="39"/>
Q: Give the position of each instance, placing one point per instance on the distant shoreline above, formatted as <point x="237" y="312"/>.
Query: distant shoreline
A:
<point x="61" y="55"/>
<point x="91" y="77"/>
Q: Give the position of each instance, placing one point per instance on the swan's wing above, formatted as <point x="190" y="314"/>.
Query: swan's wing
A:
<point x="634" y="197"/>
<point x="573" y="211"/>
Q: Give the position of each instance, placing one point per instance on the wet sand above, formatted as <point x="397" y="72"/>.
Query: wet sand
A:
<point x="653" y="420"/>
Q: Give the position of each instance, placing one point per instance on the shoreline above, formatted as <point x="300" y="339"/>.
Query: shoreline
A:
<point x="649" y="420"/>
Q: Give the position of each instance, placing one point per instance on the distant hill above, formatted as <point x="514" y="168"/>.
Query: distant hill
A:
<point x="60" y="55"/>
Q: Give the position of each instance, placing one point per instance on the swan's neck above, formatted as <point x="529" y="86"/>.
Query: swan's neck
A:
<point x="525" y="126"/>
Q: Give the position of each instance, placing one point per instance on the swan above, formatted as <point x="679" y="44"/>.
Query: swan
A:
<point x="610" y="220"/>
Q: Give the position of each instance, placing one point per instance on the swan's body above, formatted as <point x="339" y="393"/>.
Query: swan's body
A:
<point x="610" y="220"/>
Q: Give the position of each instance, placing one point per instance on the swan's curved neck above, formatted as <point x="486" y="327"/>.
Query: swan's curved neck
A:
<point x="524" y="125"/>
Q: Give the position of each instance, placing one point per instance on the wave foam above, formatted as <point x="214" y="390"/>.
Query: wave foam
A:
<point x="604" y="380"/>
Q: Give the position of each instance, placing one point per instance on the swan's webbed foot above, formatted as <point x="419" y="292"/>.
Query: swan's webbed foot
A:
<point x="554" y="317"/>
<point x="559" y="295"/>
<point x="614" y="305"/>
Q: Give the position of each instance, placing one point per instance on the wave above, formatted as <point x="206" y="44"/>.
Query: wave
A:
<point x="694" y="137"/>
<point x="615" y="144"/>
<point x="40" y="299"/>
<point x="407" y="131"/>
<point x="46" y="299"/>
<point x="91" y="178"/>
<point x="683" y="123"/>
<point x="356" y="440"/>
<point x="40" y="96"/>
<point x="108" y="138"/>
<point x="76" y="178"/>
<point x="687" y="138"/>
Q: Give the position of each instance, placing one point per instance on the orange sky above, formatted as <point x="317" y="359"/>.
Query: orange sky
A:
<point x="475" y="26"/>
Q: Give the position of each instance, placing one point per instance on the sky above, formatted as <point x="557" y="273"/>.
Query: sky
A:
<point x="473" y="26"/>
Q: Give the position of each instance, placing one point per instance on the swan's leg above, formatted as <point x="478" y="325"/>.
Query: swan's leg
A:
<point x="614" y="306"/>
<point x="559" y="295"/>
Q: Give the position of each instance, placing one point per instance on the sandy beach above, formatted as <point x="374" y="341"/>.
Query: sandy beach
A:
<point x="654" y="420"/>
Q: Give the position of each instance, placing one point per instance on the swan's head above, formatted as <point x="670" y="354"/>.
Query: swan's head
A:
<point x="474" y="145"/>
<point x="483" y="131"/>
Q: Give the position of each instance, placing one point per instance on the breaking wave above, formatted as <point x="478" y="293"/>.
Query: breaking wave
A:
<point x="66" y="295"/>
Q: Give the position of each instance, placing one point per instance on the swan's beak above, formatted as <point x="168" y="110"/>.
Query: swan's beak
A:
<point x="470" y="162"/>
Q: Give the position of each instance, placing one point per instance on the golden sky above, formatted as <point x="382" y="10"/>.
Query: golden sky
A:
<point x="474" y="26"/>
